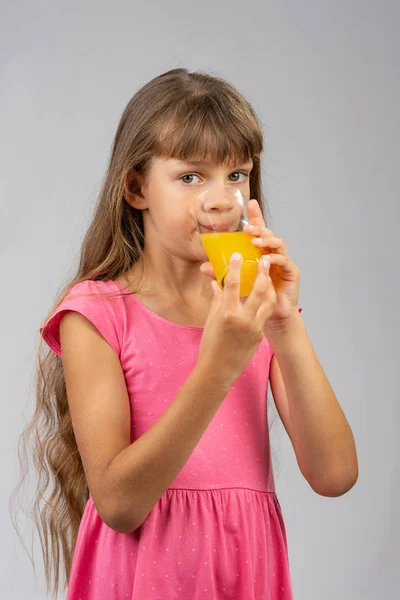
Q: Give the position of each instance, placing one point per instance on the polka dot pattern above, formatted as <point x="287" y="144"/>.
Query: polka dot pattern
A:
<point x="217" y="533"/>
<point x="201" y="544"/>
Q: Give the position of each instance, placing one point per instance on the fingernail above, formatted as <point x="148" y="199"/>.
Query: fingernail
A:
<point x="236" y="256"/>
<point x="265" y="261"/>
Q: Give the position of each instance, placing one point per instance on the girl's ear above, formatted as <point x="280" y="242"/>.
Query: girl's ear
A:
<point x="133" y="190"/>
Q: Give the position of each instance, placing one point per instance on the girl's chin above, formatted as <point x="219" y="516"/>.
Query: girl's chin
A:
<point x="198" y="249"/>
<point x="202" y="256"/>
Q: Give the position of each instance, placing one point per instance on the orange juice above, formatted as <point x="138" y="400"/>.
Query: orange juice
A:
<point x="220" y="247"/>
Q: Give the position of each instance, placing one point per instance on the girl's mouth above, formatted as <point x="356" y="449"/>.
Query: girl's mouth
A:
<point x="213" y="227"/>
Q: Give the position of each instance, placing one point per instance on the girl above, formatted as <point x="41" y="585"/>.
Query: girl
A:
<point x="151" y="422"/>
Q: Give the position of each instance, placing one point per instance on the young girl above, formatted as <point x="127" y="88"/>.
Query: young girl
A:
<point x="151" y="421"/>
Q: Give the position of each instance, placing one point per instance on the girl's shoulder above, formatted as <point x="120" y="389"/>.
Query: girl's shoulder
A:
<point x="101" y="302"/>
<point x="93" y="287"/>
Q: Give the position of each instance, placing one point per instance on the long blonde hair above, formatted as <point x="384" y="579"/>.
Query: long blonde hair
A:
<point x="177" y="114"/>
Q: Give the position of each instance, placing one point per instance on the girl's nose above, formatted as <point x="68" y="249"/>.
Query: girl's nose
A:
<point x="218" y="199"/>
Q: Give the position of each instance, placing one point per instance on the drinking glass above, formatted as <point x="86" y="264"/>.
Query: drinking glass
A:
<point x="220" y="214"/>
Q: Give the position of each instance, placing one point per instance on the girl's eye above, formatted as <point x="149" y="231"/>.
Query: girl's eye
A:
<point x="188" y="179"/>
<point x="238" y="173"/>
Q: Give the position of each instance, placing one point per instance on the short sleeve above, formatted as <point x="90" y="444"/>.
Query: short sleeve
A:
<point x="88" y="298"/>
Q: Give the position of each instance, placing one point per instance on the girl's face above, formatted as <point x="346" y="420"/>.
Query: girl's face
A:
<point x="168" y="194"/>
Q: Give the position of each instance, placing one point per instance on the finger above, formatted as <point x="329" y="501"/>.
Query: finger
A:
<point x="267" y="307"/>
<point x="208" y="270"/>
<point x="256" y="230"/>
<point x="215" y="303"/>
<point x="216" y="300"/>
<point x="284" y="262"/>
<point x="255" y="214"/>
<point x="218" y="293"/>
<point x="232" y="282"/>
<point x="272" y="242"/>
<point x="259" y="290"/>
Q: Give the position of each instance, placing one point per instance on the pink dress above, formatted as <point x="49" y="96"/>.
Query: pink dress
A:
<point x="217" y="533"/>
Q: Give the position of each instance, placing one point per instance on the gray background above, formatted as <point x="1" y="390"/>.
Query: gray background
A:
<point x="324" y="78"/>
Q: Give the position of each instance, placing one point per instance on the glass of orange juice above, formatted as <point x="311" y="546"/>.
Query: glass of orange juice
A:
<point x="220" y="214"/>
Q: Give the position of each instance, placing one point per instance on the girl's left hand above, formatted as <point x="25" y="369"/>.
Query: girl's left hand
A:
<point x="284" y="273"/>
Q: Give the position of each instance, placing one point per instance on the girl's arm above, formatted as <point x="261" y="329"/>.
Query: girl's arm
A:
<point x="126" y="480"/>
<point x="319" y="432"/>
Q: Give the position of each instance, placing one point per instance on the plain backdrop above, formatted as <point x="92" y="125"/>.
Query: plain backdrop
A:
<point x="324" y="79"/>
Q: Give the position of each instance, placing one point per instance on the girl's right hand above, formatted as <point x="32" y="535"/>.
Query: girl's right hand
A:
<point x="235" y="328"/>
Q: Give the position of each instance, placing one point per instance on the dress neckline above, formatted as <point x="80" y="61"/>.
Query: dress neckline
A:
<point x="153" y="314"/>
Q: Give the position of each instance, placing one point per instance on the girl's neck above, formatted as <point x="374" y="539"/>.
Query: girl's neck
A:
<point x="184" y="304"/>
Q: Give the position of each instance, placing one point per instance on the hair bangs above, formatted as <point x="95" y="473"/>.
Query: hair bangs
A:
<point x="206" y="133"/>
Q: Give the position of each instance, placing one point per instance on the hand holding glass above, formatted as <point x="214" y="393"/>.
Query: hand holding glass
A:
<point x="220" y="214"/>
